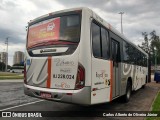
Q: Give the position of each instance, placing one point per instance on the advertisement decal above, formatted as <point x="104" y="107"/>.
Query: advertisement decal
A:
<point x="45" y="31"/>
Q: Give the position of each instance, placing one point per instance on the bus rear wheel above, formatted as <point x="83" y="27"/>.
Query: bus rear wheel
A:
<point x="127" y="96"/>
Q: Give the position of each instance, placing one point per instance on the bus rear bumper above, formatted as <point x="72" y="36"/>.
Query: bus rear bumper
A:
<point x="82" y="96"/>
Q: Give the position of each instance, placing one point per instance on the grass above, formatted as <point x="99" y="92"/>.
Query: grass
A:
<point x="10" y="77"/>
<point x="155" y="107"/>
<point x="7" y="75"/>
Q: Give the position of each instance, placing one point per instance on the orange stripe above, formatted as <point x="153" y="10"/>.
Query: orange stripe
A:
<point x="49" y="72"/>
<point x="111" y="78"/>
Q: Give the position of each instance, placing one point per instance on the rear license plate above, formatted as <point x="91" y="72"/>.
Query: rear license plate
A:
<point x="45" y="95"/>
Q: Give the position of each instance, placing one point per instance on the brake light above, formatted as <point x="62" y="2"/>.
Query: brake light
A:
<point x="80" y="77"/>
<point x="25" y="79"/>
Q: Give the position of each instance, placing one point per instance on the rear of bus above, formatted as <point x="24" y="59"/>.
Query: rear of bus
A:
<point x="54" y="68"/>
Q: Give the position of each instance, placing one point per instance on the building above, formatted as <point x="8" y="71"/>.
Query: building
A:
<point x="18" y="57"/>
<point x="3" y="56"/>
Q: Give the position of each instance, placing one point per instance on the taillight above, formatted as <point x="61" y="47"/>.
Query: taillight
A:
<point x="80" y="77"/>
<point x="25" y="79"/>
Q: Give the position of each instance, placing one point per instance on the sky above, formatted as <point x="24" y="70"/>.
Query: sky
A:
<point x="139" y="16"/>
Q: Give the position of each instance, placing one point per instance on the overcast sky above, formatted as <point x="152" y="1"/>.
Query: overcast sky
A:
<point x="140" y="16"/>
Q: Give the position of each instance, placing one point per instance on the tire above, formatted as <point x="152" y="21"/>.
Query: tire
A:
<point x="127" y="96"/>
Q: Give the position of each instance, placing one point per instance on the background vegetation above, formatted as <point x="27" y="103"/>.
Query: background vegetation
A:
<point x="151" y="45"/>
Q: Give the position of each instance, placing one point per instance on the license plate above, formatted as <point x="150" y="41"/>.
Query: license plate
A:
<point x="45" y="95"/>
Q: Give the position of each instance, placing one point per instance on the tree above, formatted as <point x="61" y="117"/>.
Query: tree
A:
<point x="149" y="45"/>
<point x="2" y="66"/>
<point x="155" y="43"/>
<point x="146" y="44"/>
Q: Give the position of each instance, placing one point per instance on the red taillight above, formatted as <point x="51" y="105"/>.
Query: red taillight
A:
<point x="25" y="79"/>
<point x="80" y="77"/>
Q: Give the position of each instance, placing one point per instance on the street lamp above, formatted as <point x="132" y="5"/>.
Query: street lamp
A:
<point x="155" y="49"/>
<point x="121" y="22"/>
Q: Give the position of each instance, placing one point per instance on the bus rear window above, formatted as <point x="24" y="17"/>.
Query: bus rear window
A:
<point x="64" y="28"/>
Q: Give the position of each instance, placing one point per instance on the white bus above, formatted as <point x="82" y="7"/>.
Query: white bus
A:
<point x="17" y="69"/>
<point x="74" y="56"/>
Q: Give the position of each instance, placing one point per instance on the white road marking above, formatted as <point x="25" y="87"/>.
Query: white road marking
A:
<point x="22" y="105"/>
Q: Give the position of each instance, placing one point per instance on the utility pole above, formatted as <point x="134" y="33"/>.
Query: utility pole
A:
<point x="155" y="58"/>
<point x="6" y="42"/>
<point x="121" y="22"/>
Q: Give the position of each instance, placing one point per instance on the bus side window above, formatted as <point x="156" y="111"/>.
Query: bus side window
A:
<point x="105" y="43"/>
<point x="125" y="52"/>
<point x="143" y="60"/>
<point x="96" y="44"/>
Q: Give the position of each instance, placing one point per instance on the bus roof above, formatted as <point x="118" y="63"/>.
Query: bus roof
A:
<point x="92" y="13"/>
<point x="60" y="11"/>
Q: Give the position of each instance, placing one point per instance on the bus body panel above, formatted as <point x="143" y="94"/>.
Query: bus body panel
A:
<point x="140" y="77"/>
<point x="69" y="96"/>
<point x="62" y="75"/>
<point x="85" y="46"/>
<point x="100" y="81"/>
<point x="136" y="73"/>
<point x="101" y="78"/>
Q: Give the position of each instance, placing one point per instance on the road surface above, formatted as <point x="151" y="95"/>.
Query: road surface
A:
<point x="12" y="98"/>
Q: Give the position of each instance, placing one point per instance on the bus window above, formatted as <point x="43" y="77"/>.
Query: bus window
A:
<point x="125" y="52"/>
<point x="59" y="32"/>
<point x="96" y="45"/>
<point x="105" y="44"/>
<point x="70" y="28"/>
<point x="63" y="28"/>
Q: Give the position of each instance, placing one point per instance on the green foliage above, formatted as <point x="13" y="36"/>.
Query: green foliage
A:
<point x="151" y="41"/>
<point x="2" y="66"/>
<point x="156" y="105"/>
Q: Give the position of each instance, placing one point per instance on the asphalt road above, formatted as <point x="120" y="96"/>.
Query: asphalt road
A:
<point x="11" y="94"/>
<point x="12" y="98"/>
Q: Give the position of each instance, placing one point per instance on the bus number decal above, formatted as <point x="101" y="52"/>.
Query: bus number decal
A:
<point x="63" y="76"/>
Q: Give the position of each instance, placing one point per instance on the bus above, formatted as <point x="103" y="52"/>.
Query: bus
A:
<point x="16" y="69"/>
<point x="74" y="56"/>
